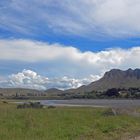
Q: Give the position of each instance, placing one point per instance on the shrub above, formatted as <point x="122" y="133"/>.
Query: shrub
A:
<point x="5" y="102"/>
<point x="51" y="106"/>
<point x="30" y="105"/>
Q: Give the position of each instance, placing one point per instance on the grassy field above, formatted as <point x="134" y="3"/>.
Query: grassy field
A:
<point x="64" y="123"/>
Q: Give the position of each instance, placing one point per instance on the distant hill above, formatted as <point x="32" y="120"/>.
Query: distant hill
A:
<point x="53" y="91"/>
<point x="28" y="92"/>
<point x="18" y="91"/>
<point x="114" y="78"/>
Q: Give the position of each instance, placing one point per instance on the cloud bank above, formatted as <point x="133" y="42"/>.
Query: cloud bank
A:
<point x="35" y="51"/>
<point x="32" y="80"/>
<point x="70" y="67"/>
<point x="93" y="18"/>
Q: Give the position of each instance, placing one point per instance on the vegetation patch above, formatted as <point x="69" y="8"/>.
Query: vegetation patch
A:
<point x="64" y="123"/>
<point x="30" y="105"/>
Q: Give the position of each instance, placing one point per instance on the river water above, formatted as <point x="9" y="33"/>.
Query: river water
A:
<point x="94" y="103"/>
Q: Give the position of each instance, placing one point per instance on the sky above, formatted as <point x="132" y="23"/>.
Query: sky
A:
<point x="65" y="44"/>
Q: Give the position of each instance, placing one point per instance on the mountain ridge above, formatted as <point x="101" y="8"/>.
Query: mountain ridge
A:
<point x="115" y="78"/>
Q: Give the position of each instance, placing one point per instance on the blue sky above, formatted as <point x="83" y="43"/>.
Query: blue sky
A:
<point x="65" y="44"/>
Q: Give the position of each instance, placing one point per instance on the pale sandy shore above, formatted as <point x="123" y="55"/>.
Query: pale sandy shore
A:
<point x="135" y="138"/>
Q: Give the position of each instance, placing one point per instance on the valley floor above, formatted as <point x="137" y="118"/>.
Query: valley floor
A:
<point x="66" y="123"/>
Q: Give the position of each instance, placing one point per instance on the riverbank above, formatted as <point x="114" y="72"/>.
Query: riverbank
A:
<point x="65" y="123"/>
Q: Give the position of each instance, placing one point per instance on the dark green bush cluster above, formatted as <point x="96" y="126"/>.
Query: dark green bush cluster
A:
<point x="51" y="106"/>
<point x="5" y="102"/>
<point x="109" y="112"/>
<point x="30" y="105"/>
<point x="132" y="93"/>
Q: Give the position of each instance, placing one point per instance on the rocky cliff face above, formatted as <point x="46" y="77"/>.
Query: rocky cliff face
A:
<point x="114" y="78"/>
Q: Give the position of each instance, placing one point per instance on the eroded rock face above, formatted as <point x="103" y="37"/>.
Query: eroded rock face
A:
<point x="115" y="78"/>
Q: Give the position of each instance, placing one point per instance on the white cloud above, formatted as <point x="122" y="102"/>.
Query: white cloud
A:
<point x="30" y="79"/>
<point x="77" y="67"/>
<point x="33" y="51"/>
<point x="67" y="59"/>
<point x="116" y="18"/>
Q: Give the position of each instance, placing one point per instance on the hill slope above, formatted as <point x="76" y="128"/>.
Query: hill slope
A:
<point x="114" y="78"/>
<point x="18" y="91"/>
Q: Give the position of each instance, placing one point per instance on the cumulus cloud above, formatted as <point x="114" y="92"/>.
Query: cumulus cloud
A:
<point x="30" y="79"/>
<point x="116" y="18"/>
<point x="68" y="60"/>
<point x="71" y="67"/>
<point x="34" y="51"/>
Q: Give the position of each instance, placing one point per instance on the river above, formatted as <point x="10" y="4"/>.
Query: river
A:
<point x="94" y="103"/>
